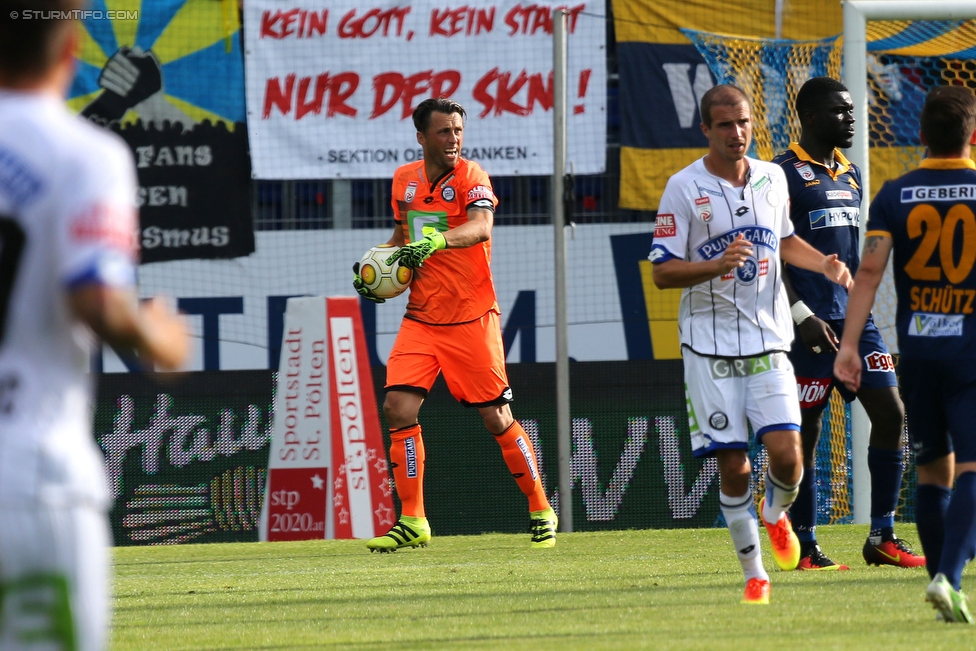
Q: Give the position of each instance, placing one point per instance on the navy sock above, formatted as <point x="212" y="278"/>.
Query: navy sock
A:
<point x="803" y="513"/>
<point x="960" y="529"/>
<point x="931" y="502"/>
<point x="886" y="468"/>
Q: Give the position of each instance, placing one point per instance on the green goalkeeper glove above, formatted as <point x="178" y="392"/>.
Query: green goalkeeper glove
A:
<point x="414" y="254"/>
<point x="357" y="284"/>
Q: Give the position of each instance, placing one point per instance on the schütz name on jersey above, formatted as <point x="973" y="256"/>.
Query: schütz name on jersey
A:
<point x="758" y="235"/>
<point x="946" y="300"/>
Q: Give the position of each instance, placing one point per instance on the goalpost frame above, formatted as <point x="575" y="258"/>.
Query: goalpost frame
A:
<point x="856" y="15"/>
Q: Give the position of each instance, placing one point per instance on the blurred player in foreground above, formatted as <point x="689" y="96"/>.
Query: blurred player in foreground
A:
<point x="825" y="199"/>
<point x="444" y="209"/>
<point x="721" y="230"/>
<point x="928" y="218"/>
<point x="67" y="267"/>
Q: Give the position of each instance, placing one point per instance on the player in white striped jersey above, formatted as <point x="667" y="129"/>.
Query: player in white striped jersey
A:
<point x="67" y="268"/>
<point x="722" y="226"/>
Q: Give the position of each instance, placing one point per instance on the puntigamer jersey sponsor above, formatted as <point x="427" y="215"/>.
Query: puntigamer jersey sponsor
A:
<point x="743" y="312"/>
<point x="930" y="215"/>
<point x="825" y="210"/>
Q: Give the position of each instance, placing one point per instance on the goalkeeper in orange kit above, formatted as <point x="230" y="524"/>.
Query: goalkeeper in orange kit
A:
<point x="444" y="209"/>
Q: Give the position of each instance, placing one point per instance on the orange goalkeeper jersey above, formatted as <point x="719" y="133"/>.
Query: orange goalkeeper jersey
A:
<point x="453" y="285"/>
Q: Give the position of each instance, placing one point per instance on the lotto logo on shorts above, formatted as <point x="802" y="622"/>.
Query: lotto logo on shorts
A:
<point x="411" y="449"/>
<point x="664" y="226"/>
<point x="812" y="391"/>
<point x="879" y="362"/>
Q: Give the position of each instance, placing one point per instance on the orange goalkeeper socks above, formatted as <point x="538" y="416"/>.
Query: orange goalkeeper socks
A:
<point x="520" y="458"/>
<point x="407" y="460"/>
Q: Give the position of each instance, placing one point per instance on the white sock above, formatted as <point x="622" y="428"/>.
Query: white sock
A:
<point x="741" y="518"/>
<point x="779" y="497"/>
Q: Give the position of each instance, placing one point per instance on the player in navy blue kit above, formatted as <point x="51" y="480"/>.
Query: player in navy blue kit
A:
<point x="825" y="200"/>
<point x="928" y="218"/>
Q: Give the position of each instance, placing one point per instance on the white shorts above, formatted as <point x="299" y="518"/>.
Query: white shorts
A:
<point x="726" y="395"/>
<point x="57" y="557"/>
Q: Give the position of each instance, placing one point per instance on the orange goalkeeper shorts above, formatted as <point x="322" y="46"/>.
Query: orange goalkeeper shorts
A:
<point x="471" y="356"/>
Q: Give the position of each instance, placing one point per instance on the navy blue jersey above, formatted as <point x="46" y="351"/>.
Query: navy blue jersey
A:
<point x="824" y="208"/>
<point x="930" y="216"/>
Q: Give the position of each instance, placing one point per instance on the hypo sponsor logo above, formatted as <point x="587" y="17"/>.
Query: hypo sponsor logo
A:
<point x="834" y="217"/>
<point x="879" y="362"/>
<point x="937" y="193"/>
<point x="812" y="391"/>
<point x="936" y="325"/>
<point x="664" y="225"/>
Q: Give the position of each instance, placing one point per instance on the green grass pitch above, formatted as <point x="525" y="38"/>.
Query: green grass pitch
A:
<point x="656" y="589"/>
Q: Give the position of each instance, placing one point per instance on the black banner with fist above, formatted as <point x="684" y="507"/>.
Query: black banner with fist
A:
<point x="194" y="175"/>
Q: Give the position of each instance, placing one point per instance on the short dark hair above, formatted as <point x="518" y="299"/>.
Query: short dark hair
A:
<point x="721" y="95"/>
<point x="28" y="47"/>
<point x="948" y="119"/>
<point x="813" y="92"/>
<point x="421" y="114"/>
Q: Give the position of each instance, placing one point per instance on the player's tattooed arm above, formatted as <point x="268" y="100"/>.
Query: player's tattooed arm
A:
<point x="872" y="242"/>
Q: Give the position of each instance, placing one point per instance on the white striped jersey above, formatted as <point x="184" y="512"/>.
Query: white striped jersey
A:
<point x="744" y="312"/>
<point x="67" y="218"/>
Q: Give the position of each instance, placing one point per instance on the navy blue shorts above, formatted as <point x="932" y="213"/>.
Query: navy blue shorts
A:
<point x="815" y="372"/>
<point x="940" y="400"/>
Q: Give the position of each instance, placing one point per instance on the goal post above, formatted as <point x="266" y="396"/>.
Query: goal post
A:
<point x="857" y="13"/>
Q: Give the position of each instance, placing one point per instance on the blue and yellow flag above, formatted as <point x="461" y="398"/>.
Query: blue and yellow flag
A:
<point x="168" y="77"/>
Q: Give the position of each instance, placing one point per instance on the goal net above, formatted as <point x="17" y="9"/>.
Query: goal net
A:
<point x="905" y="59"/>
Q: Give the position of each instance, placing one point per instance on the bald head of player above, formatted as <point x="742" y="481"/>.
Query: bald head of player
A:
<point x="37" y="53"/>
<point x="948" y="122"/>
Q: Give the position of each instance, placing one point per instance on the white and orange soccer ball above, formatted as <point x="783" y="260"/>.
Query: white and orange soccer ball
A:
<point x="385" y="280"/>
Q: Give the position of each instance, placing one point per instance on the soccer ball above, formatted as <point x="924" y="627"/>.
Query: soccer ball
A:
<point x="382" y="278"/>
